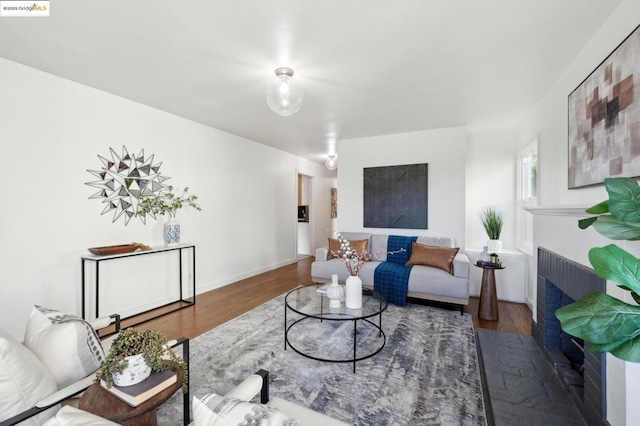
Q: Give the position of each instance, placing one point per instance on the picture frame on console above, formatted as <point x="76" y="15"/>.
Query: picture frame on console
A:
<point x="604" y="119"/>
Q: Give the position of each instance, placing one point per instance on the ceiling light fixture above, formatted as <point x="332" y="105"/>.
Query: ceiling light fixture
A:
<point x="332" y="162"/>
<point x="284" y="95"/>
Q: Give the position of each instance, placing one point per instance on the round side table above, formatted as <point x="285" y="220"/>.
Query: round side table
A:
<point x="101" y="402"/>
<point x="488" y="309"/>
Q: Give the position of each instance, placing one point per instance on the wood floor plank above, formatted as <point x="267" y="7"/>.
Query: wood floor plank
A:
<point x="218" y="306"/>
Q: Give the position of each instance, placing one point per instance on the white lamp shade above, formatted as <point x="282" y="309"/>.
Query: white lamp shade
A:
<point x="284" y="95"/>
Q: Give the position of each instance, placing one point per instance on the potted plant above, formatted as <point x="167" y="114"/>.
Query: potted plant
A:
<point x="492" y="220"/>
<point x="168" y="203"/>
<point x="144" y="349"/>
<point x="608" y="323"/>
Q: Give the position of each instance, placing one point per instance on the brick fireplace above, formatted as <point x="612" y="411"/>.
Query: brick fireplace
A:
<point x="560" y="281"/>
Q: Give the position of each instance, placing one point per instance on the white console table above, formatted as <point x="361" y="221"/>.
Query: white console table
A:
<point x="180" y="303"/>
<point x="510" y="282"/>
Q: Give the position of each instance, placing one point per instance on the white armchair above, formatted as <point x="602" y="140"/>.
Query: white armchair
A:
<point x="30" y="392"/>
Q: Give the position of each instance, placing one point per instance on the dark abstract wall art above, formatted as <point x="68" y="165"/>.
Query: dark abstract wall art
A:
<point x="396" y="197"/>
<point x="604" y="119"/>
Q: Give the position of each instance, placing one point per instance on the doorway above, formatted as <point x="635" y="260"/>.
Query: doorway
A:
<point x="304" y="216"/>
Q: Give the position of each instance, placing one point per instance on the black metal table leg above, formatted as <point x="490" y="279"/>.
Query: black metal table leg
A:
<point x="355" y="330"/>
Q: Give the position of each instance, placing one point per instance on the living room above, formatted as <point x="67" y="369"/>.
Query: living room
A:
<point x="53" y="130"/>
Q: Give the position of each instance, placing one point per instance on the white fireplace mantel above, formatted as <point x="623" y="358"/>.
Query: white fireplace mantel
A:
<point x="575" y="210"/>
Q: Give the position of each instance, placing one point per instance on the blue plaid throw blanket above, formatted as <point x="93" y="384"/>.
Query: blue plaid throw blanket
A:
<point x="391" y="278"/>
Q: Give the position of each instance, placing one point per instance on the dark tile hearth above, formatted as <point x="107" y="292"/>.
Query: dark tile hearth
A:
<point x="520" y="385"/>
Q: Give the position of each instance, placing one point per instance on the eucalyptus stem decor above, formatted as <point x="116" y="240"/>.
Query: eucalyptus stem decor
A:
<point x="150" y="343"/>
<point x="492" y="220"/>
<point x="608" y="323"/>
<point x="168" y="203"/>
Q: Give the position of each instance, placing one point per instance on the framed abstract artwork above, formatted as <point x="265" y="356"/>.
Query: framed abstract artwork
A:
<point x="334" y="203"/>
<point x="604" y="119"/>
<point x="396" y="197"/>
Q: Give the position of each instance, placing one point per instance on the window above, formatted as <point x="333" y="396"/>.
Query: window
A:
<point x="527" y="194"/>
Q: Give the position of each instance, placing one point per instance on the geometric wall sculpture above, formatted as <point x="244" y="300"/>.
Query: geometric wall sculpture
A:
<point x="604" y="119"/>
<point x="124" y="179"/>
<point x="396" y="197"/>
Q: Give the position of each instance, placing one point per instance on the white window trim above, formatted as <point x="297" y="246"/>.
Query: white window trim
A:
<point x="523" y="204"/>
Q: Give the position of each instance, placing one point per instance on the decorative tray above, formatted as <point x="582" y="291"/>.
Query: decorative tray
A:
<point x="119" y="249"/>
<point x="489" y="264"/>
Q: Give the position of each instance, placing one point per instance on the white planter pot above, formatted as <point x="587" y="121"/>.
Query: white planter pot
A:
<point x="136" y="371"/>
<point x="494" y="245"/>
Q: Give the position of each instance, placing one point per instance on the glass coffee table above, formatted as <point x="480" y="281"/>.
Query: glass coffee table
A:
<point x="319" y="332"/>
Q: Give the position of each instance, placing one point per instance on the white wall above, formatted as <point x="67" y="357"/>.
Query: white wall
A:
<point x="52" y="131"/>
<point x="490" y="181"/>
<point x="443" y="149"/>
<point x="559" y="232"/>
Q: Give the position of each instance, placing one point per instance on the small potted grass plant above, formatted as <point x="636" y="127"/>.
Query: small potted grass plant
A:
<point x="492" y="220"/>
<point x="134" y="355"/>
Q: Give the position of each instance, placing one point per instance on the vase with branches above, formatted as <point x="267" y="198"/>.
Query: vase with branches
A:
<point x="169" y="203"/>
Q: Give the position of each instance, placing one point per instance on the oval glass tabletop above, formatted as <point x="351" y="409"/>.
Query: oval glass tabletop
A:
<point x="306" y="301"/>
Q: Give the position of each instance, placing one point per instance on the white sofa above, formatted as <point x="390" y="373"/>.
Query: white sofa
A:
<point x="425" y="282"/>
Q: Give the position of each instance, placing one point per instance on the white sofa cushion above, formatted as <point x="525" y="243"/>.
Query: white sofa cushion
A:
<point x="72" y="416"/>
<point x="23" y="381"/>
<point x="217" y="410"/>
<point x="310" y="417"/>
<point x="67" y="345"/>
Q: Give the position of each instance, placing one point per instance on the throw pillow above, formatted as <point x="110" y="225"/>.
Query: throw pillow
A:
<point x="67" y="345"/>
<point x="23" y="381"/>
<point x="216" y="410"/>
<point x="438" y="257"/>
<point x="360" y="246"/>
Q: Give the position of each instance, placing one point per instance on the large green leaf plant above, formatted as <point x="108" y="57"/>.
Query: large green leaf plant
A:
<point x="608" y="323"/>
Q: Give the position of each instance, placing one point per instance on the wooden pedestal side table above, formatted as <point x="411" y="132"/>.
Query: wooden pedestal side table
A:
<point x="103" y="403"/>
<point x="488" y="309"/>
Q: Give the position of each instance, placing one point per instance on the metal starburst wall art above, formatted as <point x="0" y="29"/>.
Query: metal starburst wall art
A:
<point x="124" y="180"/>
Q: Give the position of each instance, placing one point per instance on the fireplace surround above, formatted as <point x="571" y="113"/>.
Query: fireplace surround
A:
<point x="561" y="280"/>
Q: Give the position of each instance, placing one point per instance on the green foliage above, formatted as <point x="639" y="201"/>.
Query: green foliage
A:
<point x="607" y="323"/>
<point x="150" y="343"/>
<point x="168" y="203"/>
<point x="492" y="219"/>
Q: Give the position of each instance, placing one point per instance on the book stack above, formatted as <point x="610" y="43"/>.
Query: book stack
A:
<point x="135" y="395"/>
<point x="490" y="264"/>
<point x="323" y="289"/>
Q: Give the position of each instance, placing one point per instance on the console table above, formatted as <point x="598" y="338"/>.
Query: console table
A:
<point x="181" y="302"/>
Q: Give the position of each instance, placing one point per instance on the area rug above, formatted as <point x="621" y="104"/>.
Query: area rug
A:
<point x="427" y="374"/>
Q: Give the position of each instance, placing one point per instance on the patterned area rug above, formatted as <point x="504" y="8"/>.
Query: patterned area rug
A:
<point x="427" y="374"/>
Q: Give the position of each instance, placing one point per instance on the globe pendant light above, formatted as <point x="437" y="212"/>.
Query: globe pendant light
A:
<point x="284" y="95"/>
<point x="331" y="162"/>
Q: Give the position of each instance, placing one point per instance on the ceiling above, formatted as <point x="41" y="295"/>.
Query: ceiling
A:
<point x="368" y="67"/>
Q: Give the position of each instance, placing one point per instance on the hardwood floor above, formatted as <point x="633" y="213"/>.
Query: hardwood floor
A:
<point x="221" y="305"/>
